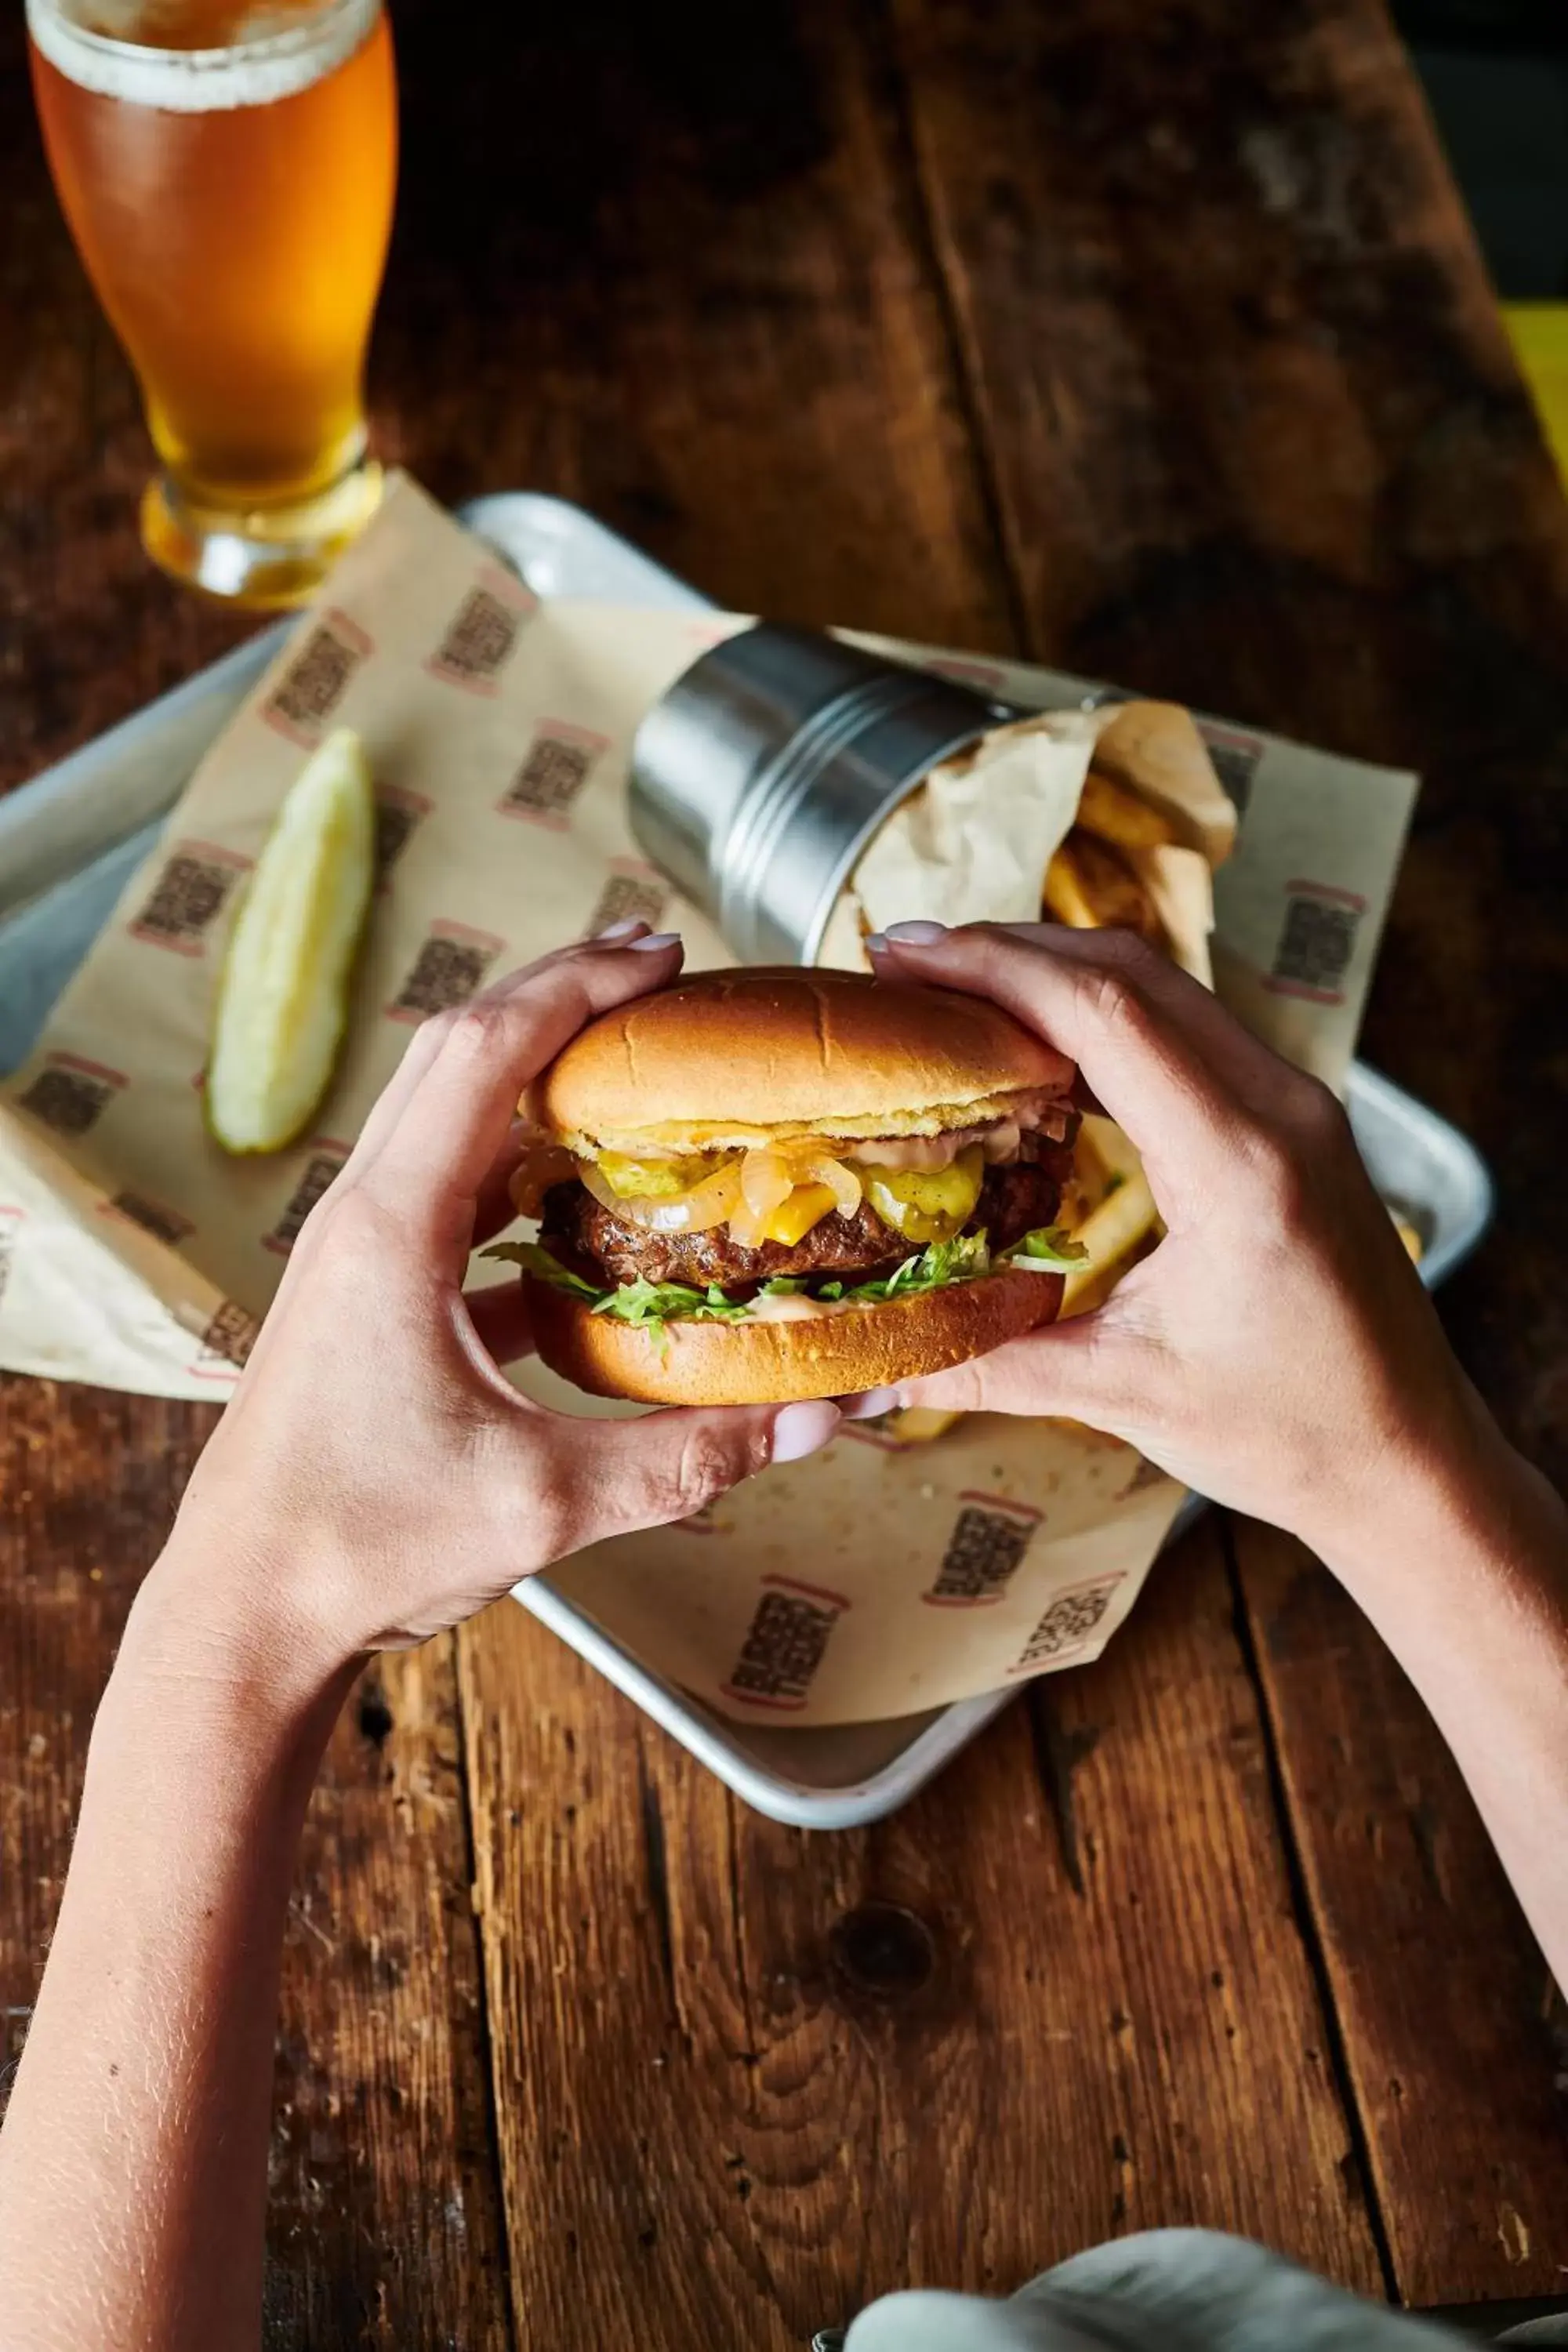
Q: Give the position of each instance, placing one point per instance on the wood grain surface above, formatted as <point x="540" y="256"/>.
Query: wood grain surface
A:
<point x="1456" y="2039"/>
<point x="385" y="2220"/>
<point x="386" y="2225"/>
<point x="1148" y="336"/>
<point x="1064" y="1994"/>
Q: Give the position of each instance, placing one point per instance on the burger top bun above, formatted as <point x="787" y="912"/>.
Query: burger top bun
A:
<point x="770" y="1051"/>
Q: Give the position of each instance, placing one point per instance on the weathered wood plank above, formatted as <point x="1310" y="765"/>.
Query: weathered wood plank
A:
<point x="386" y="2225"/>
<point x="748" y="2077"/>
<point x="683" y="280"/>
<point x="1455" y="2037"/>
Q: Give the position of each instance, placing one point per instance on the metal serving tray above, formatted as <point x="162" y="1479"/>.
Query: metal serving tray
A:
<point x="70" y="841"/>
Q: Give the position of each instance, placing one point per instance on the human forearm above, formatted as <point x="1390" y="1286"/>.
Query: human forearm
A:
<point x="1277" y="1353"/>
<point x="132" y="2163"/>
<point x="1463" y="1569"/>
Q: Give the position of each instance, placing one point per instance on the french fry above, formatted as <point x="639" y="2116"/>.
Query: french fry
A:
<point x="1089" y="887"/>
<point x="1102" y="1157"/>
<point x="1110" y="1233"/>
<point x="1112" y="814"/>
<point x="918" y="1423"/>
<point x="1064" y="893"/>
<point x="1111" y="1147"/>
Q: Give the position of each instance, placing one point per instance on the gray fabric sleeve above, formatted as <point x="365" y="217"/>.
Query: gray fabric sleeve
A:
<point x="1166" y="2291"/>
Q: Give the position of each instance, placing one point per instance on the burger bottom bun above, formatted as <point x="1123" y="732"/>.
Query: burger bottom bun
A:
<point x="773" y="1363"/>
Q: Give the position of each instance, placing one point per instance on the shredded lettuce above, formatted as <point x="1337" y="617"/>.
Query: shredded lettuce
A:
<point x="963" y="1259"/>
<point x="642" y="1302"/>
<point x="1047" y="1250"/>
<point x="649" y="1306"/>
<point x="535" y="1259"/>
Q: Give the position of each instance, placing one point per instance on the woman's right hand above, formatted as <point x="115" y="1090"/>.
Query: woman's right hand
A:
<point x="1277" y="1350"/>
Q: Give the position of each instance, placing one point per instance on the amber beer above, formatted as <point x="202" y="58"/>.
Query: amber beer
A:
<point x="228" y="175"/>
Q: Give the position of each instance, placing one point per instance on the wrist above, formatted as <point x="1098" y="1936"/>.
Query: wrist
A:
<point x="211" y="1631"/>
<point x="1417" y="1513"/>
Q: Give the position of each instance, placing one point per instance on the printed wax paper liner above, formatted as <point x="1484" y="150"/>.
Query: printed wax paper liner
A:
<point x="866" y="1582"/>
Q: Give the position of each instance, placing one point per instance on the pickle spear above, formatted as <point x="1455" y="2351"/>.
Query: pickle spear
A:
<point x="282" y="1000"/>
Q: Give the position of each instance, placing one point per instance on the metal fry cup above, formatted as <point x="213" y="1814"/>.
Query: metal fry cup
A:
<point x="760" y="777"/>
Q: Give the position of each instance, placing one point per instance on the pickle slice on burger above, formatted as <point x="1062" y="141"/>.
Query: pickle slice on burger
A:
<point x="763" y="1185"/>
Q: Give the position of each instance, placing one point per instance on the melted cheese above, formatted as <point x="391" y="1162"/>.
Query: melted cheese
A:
<point x="793" y="1218"/>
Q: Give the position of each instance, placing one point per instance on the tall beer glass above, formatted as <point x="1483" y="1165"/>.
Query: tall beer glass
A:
<point x="227" y="167"/>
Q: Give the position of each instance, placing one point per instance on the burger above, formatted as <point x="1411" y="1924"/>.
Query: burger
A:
<point x="765" y="1184"/>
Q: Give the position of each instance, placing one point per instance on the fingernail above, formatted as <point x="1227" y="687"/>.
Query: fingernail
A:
<point x="919" y="934"/>
<point x="655" y="943"/>
<point x="868" y="1404"/>
<point x="803" y="1429"/>
<point x="876" y="943"/>
<point x="623" y="930"/>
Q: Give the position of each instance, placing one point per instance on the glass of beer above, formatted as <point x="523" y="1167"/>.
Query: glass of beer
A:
<point x="227" y="168"/>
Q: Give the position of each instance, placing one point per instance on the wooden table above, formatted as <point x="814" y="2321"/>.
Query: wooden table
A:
<point x="1148" y="336"/>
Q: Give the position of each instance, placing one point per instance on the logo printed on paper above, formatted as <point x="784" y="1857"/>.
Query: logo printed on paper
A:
<point x="69" y="1094"/>
<point x="451" y="963"/>
<point x="555" y="766"/>
<point x="326" y="1158"/>
<point x="786" y="1643"/>
<point x="632" y="893"/>
<point x="229" y="1337"/>
<point x="188" y="896"/>
<point x="316" y="681"/>
<point x="1067" y="1624"/>
<point x="988" y="1541"/>
<point x="482" y="633"/>
<point x="165" y="1224"/>
<point x="398" y="815"/>
<point x="1316" y="942"/>
<point x="1234" y="758"/>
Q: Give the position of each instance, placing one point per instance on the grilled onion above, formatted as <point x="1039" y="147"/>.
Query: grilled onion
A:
<point x="541" y="1165"/>
<point x="841" y="1181"/>
<point x="766" y="1182"/>
<point x="711" y="1202"/>
<point x="747" y="1230"/>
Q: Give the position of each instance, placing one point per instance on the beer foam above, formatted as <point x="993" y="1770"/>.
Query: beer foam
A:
<point x="256" y="71"/>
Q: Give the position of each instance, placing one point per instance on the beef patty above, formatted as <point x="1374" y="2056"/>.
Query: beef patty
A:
<point x="594" y="1242"/>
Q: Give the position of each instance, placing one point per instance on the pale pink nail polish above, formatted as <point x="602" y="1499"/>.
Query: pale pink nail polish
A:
<point x="655" y="943"/>
<point x="868" y="1404"/>
<point x="804" y="1428"/>
<point x="917" y="934"/>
